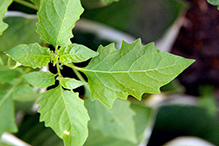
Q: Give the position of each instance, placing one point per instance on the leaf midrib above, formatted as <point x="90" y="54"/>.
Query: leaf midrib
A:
<point x="128" y="71"/>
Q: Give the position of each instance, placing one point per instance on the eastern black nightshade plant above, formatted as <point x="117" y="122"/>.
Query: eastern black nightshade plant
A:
<point x="133" y="70"/>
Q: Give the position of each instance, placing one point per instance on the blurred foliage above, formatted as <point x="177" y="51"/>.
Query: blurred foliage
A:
<point x="177" y="120"/>
<point x="147" y="19"/>
<point x="208" y="100"/>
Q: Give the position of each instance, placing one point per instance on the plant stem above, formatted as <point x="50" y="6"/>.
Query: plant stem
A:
<point x="87" y="90"/>
<point x="58" y="69"/>
<point x="75" y="69"/>
<point x="27" y="4"/>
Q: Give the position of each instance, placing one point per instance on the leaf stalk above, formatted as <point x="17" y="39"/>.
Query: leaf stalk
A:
<point x="27" y="4"/>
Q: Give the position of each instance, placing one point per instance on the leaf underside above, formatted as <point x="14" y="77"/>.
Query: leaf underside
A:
<point x="30" y="55"/>
<point x="132" y="70"/>
<point x="65" y="113"/>
<point x="57" y="19"/>
<point x="3" y="8"/>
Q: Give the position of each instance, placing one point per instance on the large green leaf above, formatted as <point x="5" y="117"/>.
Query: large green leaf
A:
<point x="75" y="53"/>
<point x="7" y="74"/>
<point x="132" y="70"/>
<point x="7" y="112"/>
<point x="214" y="2"/>
<point x="21" y="31"/>
<point x="40" y="79"/>
<point x="57" y="19"/>
<point x="3" y="8"/>
<point x="116" y="122"/>
<point x="65" y="113"/>
<point x="30" y="55"/>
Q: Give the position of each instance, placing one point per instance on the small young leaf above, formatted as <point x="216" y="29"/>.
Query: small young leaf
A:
<point x="40" y="79"/>
<point x="7" y="74"/>
<point x="116" y="122"/>
<point x="57" y="19"/>
<point x="1" y="62"/>
<point x="30" y="55"/>
<point x="75" y="53"/>
<point x="3" y="8"/>
<point x="132" y="70"/>
<point x="25" y="93"/>
<point x="65" y="113"/>
<point x="69" y="83"/>
<point x="7" y="113"/>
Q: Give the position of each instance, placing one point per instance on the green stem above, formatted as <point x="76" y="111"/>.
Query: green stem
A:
<point x="75" y="69"/>
<point x="27" y="4"/>
<point x="58" y="69"/>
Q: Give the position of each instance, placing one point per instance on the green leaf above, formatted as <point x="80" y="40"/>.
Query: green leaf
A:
<point x="141" y="119"/>
<point x="214" y="2"/>
<point x="65" y="113"/>
<point x="7" y="123"/>
<point x="1" y="61"/>
<point x="70" y="83"/>
<point x="208" y="100"/>
<point x="132" y="70"/>
<point x="19" y="26"/>
<point x="40" y="79"/>
<point x="75" y="53"/>
<point x="57" y="19"/>
<point x="116" y="122"/>
<point x="7" y="74"/>
<point x="30" y="55"/>
<point x="3" y="8"/>
<point x="25" y="93"/>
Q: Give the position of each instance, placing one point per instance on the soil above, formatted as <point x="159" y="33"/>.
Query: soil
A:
<point x="199" y="39"/>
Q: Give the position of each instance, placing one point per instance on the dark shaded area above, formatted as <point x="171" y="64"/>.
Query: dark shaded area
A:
<point x="199" y="39"/>
<point x="174" y="121"/>
<point x="18" y="7"/>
